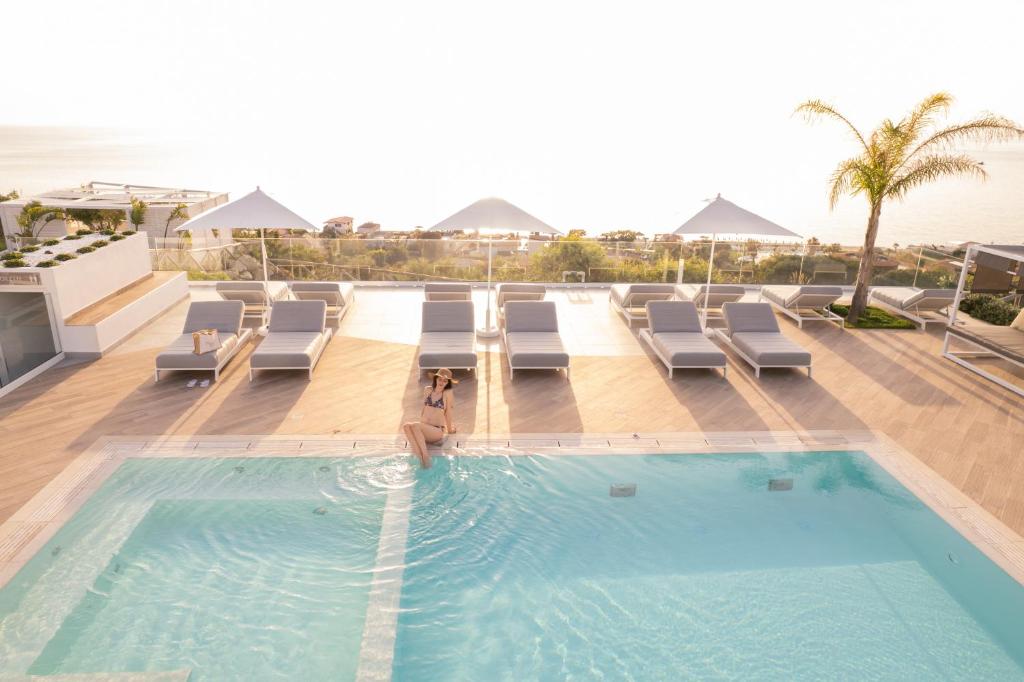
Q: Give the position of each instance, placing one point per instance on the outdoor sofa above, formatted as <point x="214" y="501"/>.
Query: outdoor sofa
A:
<point x="531" y="337"/>
<point x="256" y="296"/>
<point x="805" y="303"/>
<point x="628" y="299"/>
<point x="913" y="303"/>
<point x="447" y="336"/>
<point x="677" y="338"/>
<point x="339" y="296"/>
<point x="296" y="338"/>
<point x="447" y="291"/>
<point x="226" y="318"/>
<point x="752" y="332"/>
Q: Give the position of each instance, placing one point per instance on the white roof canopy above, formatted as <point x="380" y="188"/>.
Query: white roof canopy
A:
<point x="724" y="217"/>
<point x="254" y="211"/>
<point x="494" y="215"/>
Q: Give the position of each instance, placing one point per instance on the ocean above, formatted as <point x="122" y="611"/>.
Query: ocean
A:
<point x="316" y="176"/>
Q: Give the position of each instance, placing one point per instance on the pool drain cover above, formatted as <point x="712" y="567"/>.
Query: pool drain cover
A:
<point x="623" y="490"/>
<point x="779" y="484"/>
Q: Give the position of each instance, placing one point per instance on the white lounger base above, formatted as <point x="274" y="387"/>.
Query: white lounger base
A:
<point x="645" y="335"/>
<point x="757" y="368"/>
<point x="959" y="357"/>
<point x="916" y="317"/>
<point x="801" y="314"/>
<point x="243" y="339"/>
<point x="316" y="358"/>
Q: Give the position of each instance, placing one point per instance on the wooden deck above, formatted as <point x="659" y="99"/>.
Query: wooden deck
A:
<point x="968" y="430"/>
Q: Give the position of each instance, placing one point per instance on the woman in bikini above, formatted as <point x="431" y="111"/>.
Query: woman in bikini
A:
<point x="435" y="417"/>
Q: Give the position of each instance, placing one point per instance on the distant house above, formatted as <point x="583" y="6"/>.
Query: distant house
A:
<point x="340" y="225"/>
<point x="368" y="229"/>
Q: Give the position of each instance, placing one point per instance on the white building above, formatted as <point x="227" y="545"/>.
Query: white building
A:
<point x="112" y="196"/>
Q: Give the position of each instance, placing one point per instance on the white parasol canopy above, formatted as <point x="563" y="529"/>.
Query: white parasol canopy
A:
<point x="493" y="215"/>
<point x="722" y="217"/>
<point x="254" y="211"/>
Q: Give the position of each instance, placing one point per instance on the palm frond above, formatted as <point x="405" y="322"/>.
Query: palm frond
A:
<point x="985" y="128"/>
<point x="929" y="168"/>
<point x="816" y="107"/>
<point x="847" y="178"/>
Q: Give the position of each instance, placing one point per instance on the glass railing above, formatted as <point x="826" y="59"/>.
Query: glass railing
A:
<point x="564" y="260"/>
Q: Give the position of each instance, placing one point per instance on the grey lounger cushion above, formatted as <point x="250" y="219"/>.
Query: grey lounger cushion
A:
<point x="536" y="350"/>
<point x="179" y="354"/>
<point x="334" y="293"/>
<point x="531" y="316"/>
<point x="447" y="338"/>
<point x="673" y="316"/>
<point x="750" y="317"/>
<point x="635" y="295"/>
<point x="720" y="293"/>
<point x="288" y="349"/>
<point x="910" y="297"/>
<point x="754" y="330"/>
<point x="224" y="316"/>
<point x="807" y="296"/>
<point x="519" y="292"/>
<point x="689" y="349"/>
<point x="447" y="291"/>
<point x="298" y="316"/>
<point x="250" y="293"/>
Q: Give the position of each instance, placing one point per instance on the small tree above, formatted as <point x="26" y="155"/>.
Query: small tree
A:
<point x="13" y="194"/>
<point x="34" y="217"/>
<point x="621" y="236"/>
<point x="137" y="214"/>
<point x="179" y="212"/>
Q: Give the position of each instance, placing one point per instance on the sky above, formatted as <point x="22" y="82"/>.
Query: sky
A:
<point x="587" y="114"/>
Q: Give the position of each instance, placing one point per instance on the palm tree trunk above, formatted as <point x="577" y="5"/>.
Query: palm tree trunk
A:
<point x="867" y="266"/>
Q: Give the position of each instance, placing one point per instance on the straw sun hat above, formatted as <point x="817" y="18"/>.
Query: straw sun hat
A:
<point x="447" y="374"/>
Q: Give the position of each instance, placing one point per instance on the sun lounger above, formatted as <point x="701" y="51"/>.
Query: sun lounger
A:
<point x="987" y="341"/>
<point x="296" y="338"/>
<point x="226" y="318"/>
<point x="256" y="296"/>
<point x="719" y="295"/>
<point x="913" y="303"/>
<point x="677" y="338"/>
<point x="518" y="292"/>
<point x="630" y="299"/>
<point x="446" y="291"/>
<point x="447" y="337"/>
<point x="753" y="333"/>
<point x="531" y="337"/>
<point x="339" y="296"/>
<point x="807" y="303"/>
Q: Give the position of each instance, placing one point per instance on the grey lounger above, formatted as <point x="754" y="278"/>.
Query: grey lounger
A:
<point x="802" y="303"/>
<point x="628" y="298"/>
<point x="719" y="295"/>
<point x="255" y="295"/>
<point x="677" y="338"/>
<point x="447" y="291"/>
<point x="531" y="337"/>
<point x="296" y="338"/>
<point x="518" y="292"/>
<point x="447" y="337"/>
<point x="226" y="318"/>
<point x="914" y="303"/>
<point x="339" y="296"/>
<point x="753" y="333"/>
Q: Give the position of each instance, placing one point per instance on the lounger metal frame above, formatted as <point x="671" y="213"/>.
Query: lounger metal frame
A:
<point x="624" y="308"/>
<point x="794" y="312"/>
<point x="328" y="333"/>
<point x="243" y="338"/>
<point x="720" y="333"/>
<point x="959" y="357"/>
<point x="512" y="370"/>
<point x="648" y="338"/>
<point x="917" y="316"/>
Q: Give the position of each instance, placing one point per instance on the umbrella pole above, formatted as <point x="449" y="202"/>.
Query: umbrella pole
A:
<point x="263" y="252"/>
<point x="488" y="330"/>
<point x="707" y="291"/>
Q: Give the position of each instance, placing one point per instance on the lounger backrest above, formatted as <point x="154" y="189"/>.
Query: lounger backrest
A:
<point x="811" y="296"/>
<point x="438" y="287"/>
<point x="298" y="316"/>
<point x="447" y="316"/>
<point x="224" y="316"/>
<point x="673" y="316"/>
<point x="249" y="293"/>
<point x="931" y="299"/>
<point x="318" y="291"/>
<point x="520" y="292"/>
<point x="530" y="316"/>
<point x="315" y="286"/>
<point x="749" y="317"/>
<point x="241" y="286"/>
<point x="720" y="294"/>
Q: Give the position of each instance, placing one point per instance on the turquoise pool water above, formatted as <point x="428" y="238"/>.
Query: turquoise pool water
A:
<point x="516" y="568"/>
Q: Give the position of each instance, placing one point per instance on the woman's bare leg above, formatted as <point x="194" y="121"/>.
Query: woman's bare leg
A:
<point x="417" y="442"/>
<point x="427" y="433"/>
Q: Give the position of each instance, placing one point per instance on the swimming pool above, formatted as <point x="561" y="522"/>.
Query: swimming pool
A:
<point x="768" y="565"/>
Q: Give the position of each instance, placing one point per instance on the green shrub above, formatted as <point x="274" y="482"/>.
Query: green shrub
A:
<point x="71" y="237"/>
<point x="107" y="232"/>
<point x="129" y="233"/>
<point x="65" y="256"/>
<point x="30" y="249"/>
<point x="11" y="255"/>
<point x="51" y="242"/>
<point x="84" y="231"/>
<point x="116" y="237"/>
<point x="47" y="264"/>
<point x="99" y="243"/>
<point x="200" y="276"/>
<point x="86" y="249"/>
<point x="989" y="308"/>
<point x="17" y="263"/>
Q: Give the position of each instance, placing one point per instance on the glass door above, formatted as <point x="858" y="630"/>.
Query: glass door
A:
<point x="28" y="336"/>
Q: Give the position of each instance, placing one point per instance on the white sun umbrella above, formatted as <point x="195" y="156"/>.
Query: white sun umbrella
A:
<point x="254" y="211"/>
<point x="722" y="217"/>
<point x="492" y="216"/>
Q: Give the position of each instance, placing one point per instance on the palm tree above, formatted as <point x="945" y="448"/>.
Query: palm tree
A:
<point x="137" y="214"/>
<point x="898" y="156"/>
<point x="34" y="217"/>
<point x="179" y="212"/>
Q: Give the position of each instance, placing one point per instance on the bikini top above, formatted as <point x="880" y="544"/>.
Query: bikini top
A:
<point x="439" y="403"/>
